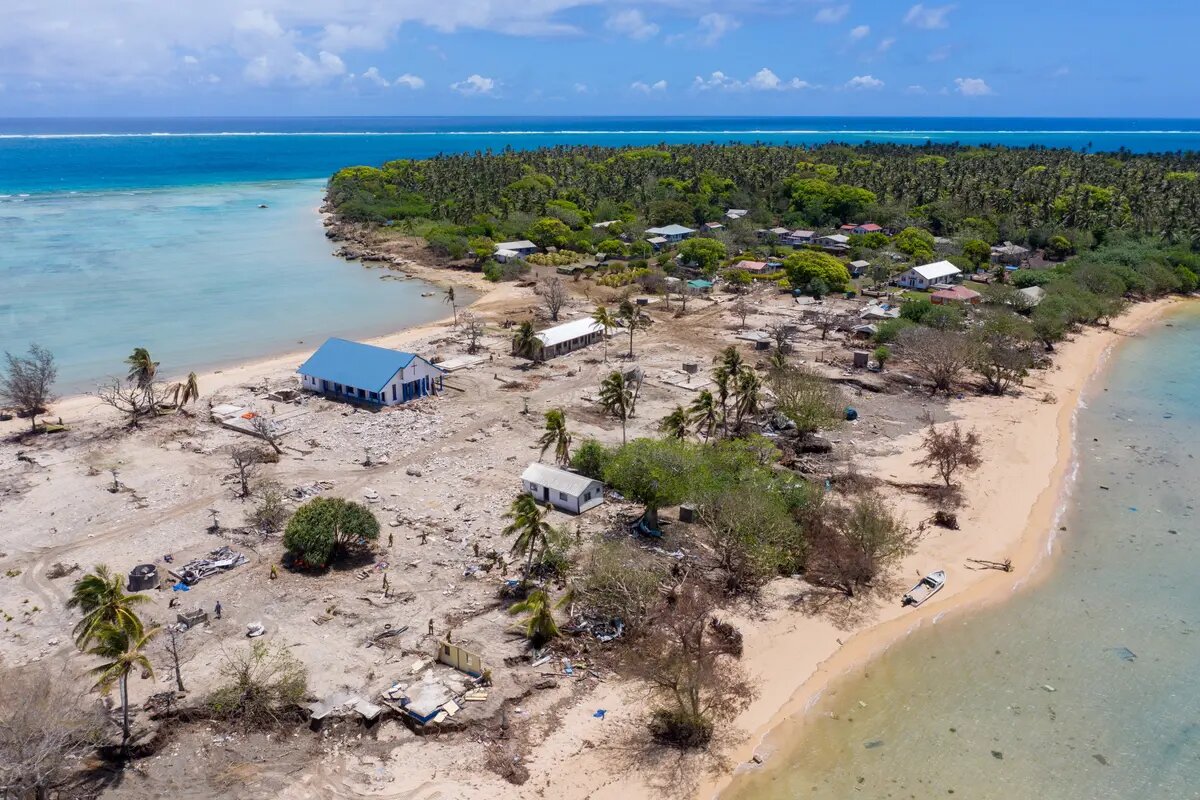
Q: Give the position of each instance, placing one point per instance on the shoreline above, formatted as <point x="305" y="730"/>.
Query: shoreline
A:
<point x="1078" y="365"/>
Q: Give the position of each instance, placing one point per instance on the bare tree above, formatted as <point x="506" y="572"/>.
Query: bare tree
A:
<point x="807" y="399"/>
<point x="48" y="724"/>
<point x="554" y="296"/>
<point x="938" y="356"/>
<point x="270" y="513"/>
<point x="827" y="319"/>
<point x="949" y="451"/>
<point x="174" y="648"/>
<point x="27" y="381"/>
<point x="268" y="431"/>
<point x="851" y="545"/>
<point x="686" y="292"/>
<point x="246" y="462"/>
<point x="134" y="401"/>
<point x="741" y="309"/>
<point x="781" y="333"/>
<point x="473" y="329"/>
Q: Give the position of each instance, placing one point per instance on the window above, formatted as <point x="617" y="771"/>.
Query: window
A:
<point x="562" y="496"/>
<point x="374" y="395"/>
<point x="393" y="391"/>
<point x="337" y="387"/>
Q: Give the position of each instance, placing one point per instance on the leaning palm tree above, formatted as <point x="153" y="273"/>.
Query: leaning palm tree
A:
<point x="747" y="395"/>
<point x="529" y="527"/>
<point x="704" y="413"/>
<point x="100" y="596"/>
<point x="539" y="627"/>
<point x="675" y="424"/>
<point x="453" y="306"/>
<point x="123" y="647"/>
<point x="556" y="436"/>
<point x="616" y="399"/>
<point x="142" y="368"/>
<point x="185" y="392"/>
<point x="526" y="343"/>
<point x="628" y="313"/>
<point x="603" y="317"/>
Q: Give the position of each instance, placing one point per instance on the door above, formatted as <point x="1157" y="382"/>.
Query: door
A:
<point x="546" y="494"/>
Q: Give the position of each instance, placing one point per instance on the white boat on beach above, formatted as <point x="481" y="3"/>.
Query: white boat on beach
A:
<point x="926" y="588"/>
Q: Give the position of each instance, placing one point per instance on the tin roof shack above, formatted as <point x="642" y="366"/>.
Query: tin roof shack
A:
<point x="567" y="491"/>
<point x="569" y="336"/>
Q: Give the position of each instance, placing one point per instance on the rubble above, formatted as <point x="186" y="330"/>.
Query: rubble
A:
<point x="219" y="560"/>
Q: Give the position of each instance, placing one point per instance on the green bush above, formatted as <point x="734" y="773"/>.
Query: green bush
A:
<point x="890" y="329"/>
<point x="590" y="459"/>
<point x="324" y="528"/>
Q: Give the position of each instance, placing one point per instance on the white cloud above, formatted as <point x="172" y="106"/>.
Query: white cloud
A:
<point x="338" y="37"/>
<point x="410" y="80"/>
<point x="915" y="88"/>
<point x="762" y="81"/>
<point x="712" y="27"/>
<point x="831" y="14"/>
<point x="631" y="23"/>
<point x="886" y="44"/>
<point x="864" y="82"/>
<point x="294" y="68"/>
<point x="860" y="32"/>
<point x="372" y="75"/>
<point x="647" y="88"/>
<point x="972" y="87"/>
<point x="929" y="17"/>
<point x="191" y="61"/>
<point x="474" y="85"/>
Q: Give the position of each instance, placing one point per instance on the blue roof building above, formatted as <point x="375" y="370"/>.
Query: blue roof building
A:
<point x="364" y="373"/>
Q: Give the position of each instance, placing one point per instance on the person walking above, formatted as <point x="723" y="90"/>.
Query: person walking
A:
<point x="217" y="609"/>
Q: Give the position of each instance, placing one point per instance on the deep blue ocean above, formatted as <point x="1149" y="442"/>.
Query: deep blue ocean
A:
<point x="120" y="233"/>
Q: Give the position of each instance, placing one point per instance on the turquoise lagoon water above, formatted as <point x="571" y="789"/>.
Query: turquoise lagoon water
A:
<point x="117" y="233"/>
<point x="964" y="708"/>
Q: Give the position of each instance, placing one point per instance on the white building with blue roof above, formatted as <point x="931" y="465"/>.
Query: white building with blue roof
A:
<point x="364" y="373"/>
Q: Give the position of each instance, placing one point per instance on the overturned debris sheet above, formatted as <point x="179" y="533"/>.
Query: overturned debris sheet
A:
<point x="219" y="560"/>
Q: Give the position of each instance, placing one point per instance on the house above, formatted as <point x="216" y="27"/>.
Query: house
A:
<point x="866" y="331"/>
<point x="753" y="267"/>
<point x="363" y="373"/>
<point x="859" y="268"/>
<point x="835" y="241"/>
<point x="569" y="491"/>
<point x="768" y="233"/>
<point x="879" y="312"/>
<point x="507" y="251"/>
<point x="658" y="242"/>
<point x="866" y="227"/>
<point x="1009" y="253"/>
<point x="736" y="213"/>
<point x="955" y="294"/>
<point x="927" y="275"/>
<point x="798" y="238"/>
<point x="672" y="233"/>
<point x="704" y="287"/>
<point x="569" y="336"/>
<point x="713" y="227"/>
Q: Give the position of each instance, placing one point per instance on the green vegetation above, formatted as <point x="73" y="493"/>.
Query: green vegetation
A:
<point x="325" y="528"/>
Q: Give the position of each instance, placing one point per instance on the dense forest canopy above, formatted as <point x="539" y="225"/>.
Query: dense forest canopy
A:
<point x="989" y="193"/>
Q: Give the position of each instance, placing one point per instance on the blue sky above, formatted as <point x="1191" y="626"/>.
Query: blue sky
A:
<point x="564" y="57"/>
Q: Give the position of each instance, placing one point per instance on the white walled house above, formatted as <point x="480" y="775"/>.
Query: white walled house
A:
<point x="927" y="275"/>
<point x="569" y="491"/>
<point x="364" y="373"/>
<point x="506" y="251"/>
<point x="672" y="233"/>
<point x="569" y="336"/>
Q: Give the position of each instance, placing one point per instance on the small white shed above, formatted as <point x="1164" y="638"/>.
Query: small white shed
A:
<point x="569" y="491"/>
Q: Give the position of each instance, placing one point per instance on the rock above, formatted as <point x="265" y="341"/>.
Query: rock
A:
<point x="413" y="471"/>
<point x="756" y="758"/>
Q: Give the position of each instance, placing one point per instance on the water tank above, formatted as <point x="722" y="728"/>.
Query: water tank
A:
<point x="143" y="577"/>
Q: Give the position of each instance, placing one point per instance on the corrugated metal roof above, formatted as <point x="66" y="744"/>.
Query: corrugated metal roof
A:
<point x="569" y="330"/>
<point x="938" y="269"/>
<point x="520" y="244"/>
<point x="557" y="479"/>
<point x="363" y="366"/>
<point x="670" y="230"/>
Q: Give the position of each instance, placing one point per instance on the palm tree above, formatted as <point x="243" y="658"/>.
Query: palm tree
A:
<point x="101" y="597"/>
<point x="142" y="368"/>
<point x="675" y="424"/>
<point x="729" y="367"/>
<point x="704" y="413"/>
<point x="185" y="392"/>
<point x="529" y="527"/>
<point x="526" y="343"/>
<point x="539" y="626"/>
<point x="453" y="307"/>
<point x="556" y="436"/>
<point x="603" y="317"/>
<point x="628" y="312"/>
<point x="616" y="399"/>
<point x="747" y="394"/>
<point x="123" y="647"/>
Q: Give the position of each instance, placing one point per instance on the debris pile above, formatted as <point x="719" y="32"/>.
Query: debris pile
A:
<point x="219" y="560"/>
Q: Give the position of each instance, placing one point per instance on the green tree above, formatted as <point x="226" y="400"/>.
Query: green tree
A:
<point x="628" y="313"/>
<point x="556" y="436"/>
<point x="325" y="528"/>
<point x="27" y="381"/>
<point x="917" y="243"/>
<point x="977" y="251"/>
<point x="809" y="266"/>
<point x="616" y="399"/>
<point x="882" y="354"/>
<point x="706" y="254"/>
<point x="704" y="413"/>
<point x="652" y="472"/>
<point x="526" y="343"/>
<point x="538" y="626"/>
<point x="747" y="396"/>
<point x="530" y="528"/>
<point x="549" y="232"/>
<point x="142" y="368"/>
<point x="675" y="424"/>
<point x="807" y="399"/>
<point x="1058" y="248"/>
<point x="100" y="596"/>
<point x="123" y="649"/>
<point x="590" y="459"/>
<point x="604" y="318"/>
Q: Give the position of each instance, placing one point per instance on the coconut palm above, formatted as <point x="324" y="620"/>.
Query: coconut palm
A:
<point x="539" y="626"/>
<point x="123" y="646"/>
<point x="526" y="343"/>
<point x="142" y="368"/>
<point x="747" y="395"/>
<point x="453" y="306"/>
<point x="100" y="596"/>
<point x="628" y="313"/>
<point x="704" y="413"/>
<point x="529" y="527"/>
<point x="675" y="424"/>
<point x="616" y="399"/>
<point x="556" y="436"/>
<point x="185" y="392"/>
<point x="603" y="317"/>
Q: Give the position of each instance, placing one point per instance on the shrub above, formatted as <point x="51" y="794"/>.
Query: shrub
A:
<point x="890" y="329"/>
<point x="590" y="459"/>
<point x="269" y="513"/>
<point x="325" y="527"/>
<point x="262" y="685"/>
